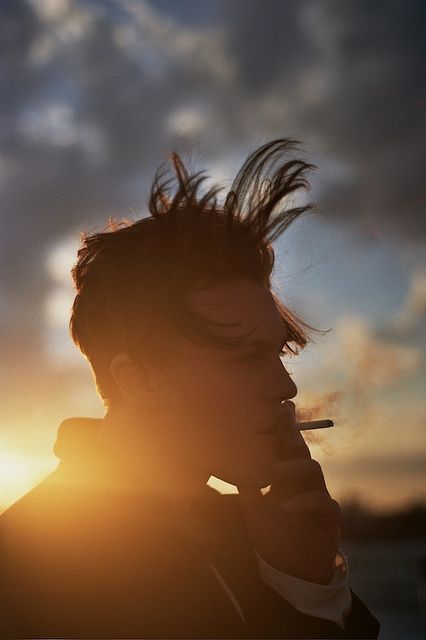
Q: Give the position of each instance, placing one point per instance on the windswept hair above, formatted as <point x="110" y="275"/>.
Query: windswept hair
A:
<point x="133" y="279"/>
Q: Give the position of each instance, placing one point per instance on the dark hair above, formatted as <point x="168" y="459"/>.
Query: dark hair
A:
<point x="132" y="280"/>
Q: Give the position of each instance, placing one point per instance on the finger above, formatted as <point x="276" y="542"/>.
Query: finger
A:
<point x="295" y="481"/>
<point x="293" y="445"/>
<point x="312" y="502"/>
<point x="286" y="425"/>
<point x="293" y="449"/>
<point x="292" y="471"/>
<point x="287" y="413"/>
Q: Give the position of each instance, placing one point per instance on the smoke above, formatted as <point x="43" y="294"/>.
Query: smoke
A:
<point x="316" y="406"/>
<point x="362" y="367"/>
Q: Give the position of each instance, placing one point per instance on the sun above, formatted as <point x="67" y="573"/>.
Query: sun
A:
<point x="19" y="473"/>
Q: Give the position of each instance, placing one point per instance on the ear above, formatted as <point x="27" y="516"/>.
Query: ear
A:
<point x="133" y="381"/>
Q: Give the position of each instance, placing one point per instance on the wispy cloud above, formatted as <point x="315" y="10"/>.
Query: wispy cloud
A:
<point x="370" y="362"/>
<point x="413" y="312"/>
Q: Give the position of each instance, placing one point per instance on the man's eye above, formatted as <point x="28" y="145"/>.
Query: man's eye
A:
<point x="254" y="356"/>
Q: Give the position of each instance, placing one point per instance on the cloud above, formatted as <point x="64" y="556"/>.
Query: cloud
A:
<point x="368" y="361"/>
<point x="95" y="96"/>
<point x="364" y="381"/>
<point x="371" y="114"/>
<point x="186" y="122"/>
<point x="413" y="310"/>
<point x="96" y="93"/>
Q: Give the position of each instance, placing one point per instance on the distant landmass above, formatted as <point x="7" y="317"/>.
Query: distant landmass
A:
<point x="361" y="523"/>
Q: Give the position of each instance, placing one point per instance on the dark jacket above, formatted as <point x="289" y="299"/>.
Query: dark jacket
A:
<point x="85" y="555"/>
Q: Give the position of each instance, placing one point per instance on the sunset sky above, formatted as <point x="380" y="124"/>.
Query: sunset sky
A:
<point x="95" y="94"/>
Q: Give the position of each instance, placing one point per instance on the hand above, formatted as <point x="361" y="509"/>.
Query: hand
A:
<point x="295" y="526"/>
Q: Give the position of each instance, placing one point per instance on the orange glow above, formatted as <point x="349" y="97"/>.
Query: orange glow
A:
<point x="19" y="473"/>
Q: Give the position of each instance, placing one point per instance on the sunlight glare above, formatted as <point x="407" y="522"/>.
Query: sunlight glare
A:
<point x="19" y="473"/>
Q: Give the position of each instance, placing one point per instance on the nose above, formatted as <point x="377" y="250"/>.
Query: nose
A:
<point x="290" y="388"/>
<point x="281" y="384"/>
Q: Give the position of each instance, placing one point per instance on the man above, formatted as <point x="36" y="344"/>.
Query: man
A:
<point x="125" y="539"/>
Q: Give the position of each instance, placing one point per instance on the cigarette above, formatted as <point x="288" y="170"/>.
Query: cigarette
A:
<point x="314" y="424"/>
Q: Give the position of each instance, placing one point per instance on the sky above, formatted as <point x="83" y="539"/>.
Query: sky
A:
<point x="94" y="96"/>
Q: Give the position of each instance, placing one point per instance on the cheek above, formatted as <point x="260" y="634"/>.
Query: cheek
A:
<point x="202" y="385"/>
<point x="215" y="406"/>
<point x="221" y="397"/>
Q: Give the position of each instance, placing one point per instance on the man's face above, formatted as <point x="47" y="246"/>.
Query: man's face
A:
<point x="215" y="403"/>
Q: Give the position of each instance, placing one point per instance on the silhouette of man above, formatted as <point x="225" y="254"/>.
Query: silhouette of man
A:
<point x="125" y="539"/>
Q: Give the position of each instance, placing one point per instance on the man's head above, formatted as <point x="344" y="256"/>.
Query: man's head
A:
<point x="176" y="316"/>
